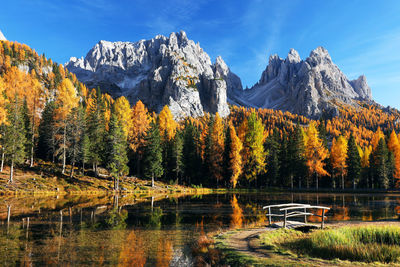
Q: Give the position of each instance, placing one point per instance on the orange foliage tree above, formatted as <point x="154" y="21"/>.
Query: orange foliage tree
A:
<point x="394" y="147"/>
<point x="235" y="157"/>
<point x="65" y="102"/>
<point x="339" y="156"/>
<point x="315" y="153"/>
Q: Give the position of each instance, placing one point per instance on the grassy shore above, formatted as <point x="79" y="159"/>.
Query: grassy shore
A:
<point x="46" y="179"/>
<point x="340" y="244"/>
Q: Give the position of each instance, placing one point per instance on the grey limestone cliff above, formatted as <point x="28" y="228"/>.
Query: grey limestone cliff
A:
<point x="171" y="71"/>
<point x="307" y="87"/>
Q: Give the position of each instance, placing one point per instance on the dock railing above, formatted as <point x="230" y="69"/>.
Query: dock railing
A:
<point x="295" y="210"/>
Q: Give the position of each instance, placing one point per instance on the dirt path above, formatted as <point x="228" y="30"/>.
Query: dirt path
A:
<point x="246" y="241"/>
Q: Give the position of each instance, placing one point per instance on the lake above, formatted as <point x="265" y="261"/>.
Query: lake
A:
<point x="158" y="231"/>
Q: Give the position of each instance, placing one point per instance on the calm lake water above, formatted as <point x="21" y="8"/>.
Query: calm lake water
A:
<point x="78" y="231"/>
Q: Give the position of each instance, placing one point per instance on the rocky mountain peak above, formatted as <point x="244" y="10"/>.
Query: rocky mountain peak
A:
<point x="308" y="87"/>
<point x="171" y="71"/>
<point x="362" y="88"/>
<point x="2" y="37"/>
<point x="293" y="56"/>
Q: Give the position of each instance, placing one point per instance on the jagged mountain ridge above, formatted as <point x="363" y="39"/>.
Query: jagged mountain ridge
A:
<point x="177" y="72"/>
<point x="171" y="71"/>
<point x="307" y="87"/>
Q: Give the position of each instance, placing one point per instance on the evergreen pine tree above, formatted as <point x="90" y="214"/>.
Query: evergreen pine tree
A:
<point x="176" y="156"/>
<point x="116" y="150"/>
<point x="296" y="155"/>
<point x="227" y="171"/>
<point x="191" y="160"/>
<point x="96" y="129"/>
<point x="379" y="165"/>
<point x="153" y="154"/>
<point x="273" y="162"/>
<point x="27" y="125"/>
<point x="353" y="161"/>
<point x="75" y="133"/>
<point x="46" y="148"/>
<point x="15" y="135"/>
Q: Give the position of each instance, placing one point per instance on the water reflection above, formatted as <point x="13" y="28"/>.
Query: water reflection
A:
<point x="145" y="231"/>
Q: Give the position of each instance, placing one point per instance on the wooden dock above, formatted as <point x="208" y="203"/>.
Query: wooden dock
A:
<point x="289" y="210"/>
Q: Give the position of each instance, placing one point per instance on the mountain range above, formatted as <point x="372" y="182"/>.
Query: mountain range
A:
<point x="177" y="72"/>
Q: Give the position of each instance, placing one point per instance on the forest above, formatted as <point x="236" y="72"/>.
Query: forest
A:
<point x="47" y="114"/>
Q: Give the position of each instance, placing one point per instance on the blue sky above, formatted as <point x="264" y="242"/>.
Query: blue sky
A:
<point x="363" y="37"/>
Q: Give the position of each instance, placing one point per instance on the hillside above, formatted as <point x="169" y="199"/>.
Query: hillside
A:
<point x="47" y="113"/>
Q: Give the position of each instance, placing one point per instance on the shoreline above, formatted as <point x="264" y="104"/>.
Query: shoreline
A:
<point x="243" y="247"/>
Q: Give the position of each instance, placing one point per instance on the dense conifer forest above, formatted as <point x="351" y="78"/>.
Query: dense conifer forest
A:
<point x="47" y="114"/>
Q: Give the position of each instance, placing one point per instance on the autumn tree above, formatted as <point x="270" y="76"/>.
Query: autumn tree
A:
<point x="35" y="103"/>
<point x="138" y="125"/>
<point x="122" y="110"/>
<point x="234" y="148"/>
<point x="315" y="154"/>
<point x="67" y="100"/>
<point x="394" y="147"/>
<point x="254" y="148"/>
<point x="167" y="124"/>
<point x="339" y="157"/>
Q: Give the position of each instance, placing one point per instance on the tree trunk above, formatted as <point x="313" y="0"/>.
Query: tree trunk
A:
<point x="72" y="170"/>
<point x="33" y="140"/>
<point x="342" y="180"/>
<point x="64" y="150"/>
<point x="316" y="181"/>
<point x="354" y="183"/>
<point x="83" y="168"/>
<point x="2" y="160"/>
<point x="152" y="180"/>
<point x="11" y="170"/>
<point x="291" y="181"/>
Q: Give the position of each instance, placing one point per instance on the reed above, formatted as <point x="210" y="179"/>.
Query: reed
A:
<point x="353" y="243"/>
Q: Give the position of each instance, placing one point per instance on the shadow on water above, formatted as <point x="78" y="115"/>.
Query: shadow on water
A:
<point x="151" y="231"/>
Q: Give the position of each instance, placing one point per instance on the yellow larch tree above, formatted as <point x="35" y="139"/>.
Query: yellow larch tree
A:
<point x="122" y="109"/>
<point x="339" y="156"/>
<point x="376" y="137"/>
<point x="35" y="102"/>
<point x="3" y="103"/>
<point x="167" y="124"/>
<point x="394" y="147"/>
<point x="315" y="153"/>
<point x="138" y="125"/>
<point x="66" y="100"/>
<point x="235" y="157"/>
<point x="365" y="156"/>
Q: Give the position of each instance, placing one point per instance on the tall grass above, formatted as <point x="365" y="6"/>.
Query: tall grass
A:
<point x="354" y="243"/>
<point x="367" y="244"/>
